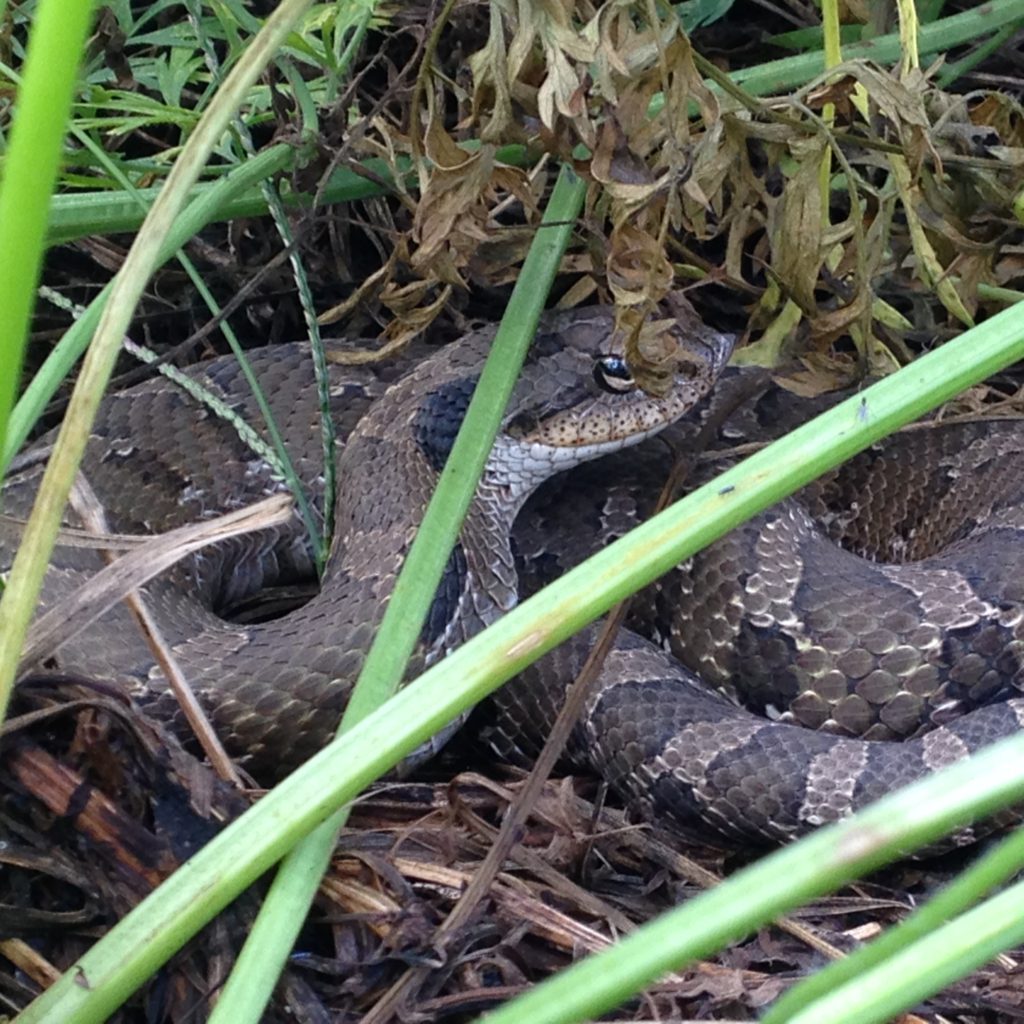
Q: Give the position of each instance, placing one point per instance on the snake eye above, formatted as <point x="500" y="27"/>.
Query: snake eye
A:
<point x="612" y="374"/>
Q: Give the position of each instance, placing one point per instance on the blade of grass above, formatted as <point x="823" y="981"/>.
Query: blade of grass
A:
<point x="30" y="173"/>
<point x="910" y="56"/>
<point x="162" y="923"/>
<point x="318" y="531"/>
<point x="273" y="934"/>
<point x="953" y="71"/>
<point x="994" y="868"/>
<point x="200" y="212"/>
<point x="78" y="214"/>
<point x="905" y="978"/>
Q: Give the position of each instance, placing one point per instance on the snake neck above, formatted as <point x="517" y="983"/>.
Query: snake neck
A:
<point x="372" y="540"/>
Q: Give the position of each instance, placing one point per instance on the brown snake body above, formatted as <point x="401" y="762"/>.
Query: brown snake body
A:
<point x="793" y="624"/>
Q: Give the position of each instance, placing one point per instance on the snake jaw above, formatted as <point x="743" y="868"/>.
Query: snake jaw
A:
<point x="518" y="466"/>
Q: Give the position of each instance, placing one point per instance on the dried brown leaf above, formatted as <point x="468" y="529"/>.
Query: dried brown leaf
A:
<point x="798" y="229"/>
<point x="638" y="269"/>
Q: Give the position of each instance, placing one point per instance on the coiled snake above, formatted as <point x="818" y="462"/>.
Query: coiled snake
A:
<point x="877" y="638"/>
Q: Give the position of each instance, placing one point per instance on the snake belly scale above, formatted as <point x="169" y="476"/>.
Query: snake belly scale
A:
<point x="791" y="615"/>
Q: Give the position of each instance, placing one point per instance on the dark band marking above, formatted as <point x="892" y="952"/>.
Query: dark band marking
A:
<point x="446" y="600"/>
<point x="438" y="419"/>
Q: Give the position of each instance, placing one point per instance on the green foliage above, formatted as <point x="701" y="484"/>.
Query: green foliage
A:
<point x="169" y="83"/>
<point x="30" y="169"/>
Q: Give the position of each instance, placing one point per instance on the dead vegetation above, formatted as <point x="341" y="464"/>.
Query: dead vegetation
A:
<point x="97" y="809"/>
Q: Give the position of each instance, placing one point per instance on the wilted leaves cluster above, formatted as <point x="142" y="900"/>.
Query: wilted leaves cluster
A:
<point x="861" y="205"/>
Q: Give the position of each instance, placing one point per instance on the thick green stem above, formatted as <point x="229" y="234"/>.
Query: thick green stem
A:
<point x="270" y="941"/>
<point x="29" y="174"/>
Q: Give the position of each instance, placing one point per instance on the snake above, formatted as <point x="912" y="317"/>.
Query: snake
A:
<point x="857" y="637"/>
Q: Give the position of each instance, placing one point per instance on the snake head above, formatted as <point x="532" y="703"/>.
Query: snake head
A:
<point x="578" y="399"/>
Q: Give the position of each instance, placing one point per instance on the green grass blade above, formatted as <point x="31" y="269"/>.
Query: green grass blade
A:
<point x="273" y="934"/>
<point x="79" y="214"/>
<point x="173" y="913"/>
<point x="30" y="173"/>
<point x="996" y="867"/>
<point x="200" y="212"/>
<point x="905" y="978"/>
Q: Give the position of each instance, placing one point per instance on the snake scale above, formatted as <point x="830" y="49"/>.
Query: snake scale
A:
<point x="885" y="602"/>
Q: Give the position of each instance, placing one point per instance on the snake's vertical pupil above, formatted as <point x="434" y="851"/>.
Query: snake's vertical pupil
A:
<point x="612" y="374"/>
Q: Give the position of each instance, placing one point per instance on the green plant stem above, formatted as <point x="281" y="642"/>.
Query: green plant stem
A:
<point x="317" y="529"/>
<point x="940" y="36"/>
<point x="78" y="214"/>
<point x="200" y="212"/>
<point x="282" y="457"/>
<point x="168" y="918"/>
<point x="832" y="51"/>
<point x="957" y="69"/>
<point x="30" y="173"/>
<point x="906" y="977"/>
<point x="252" y="981"/>
<point x="995" y="868"/>
<point x="88" y="213"/>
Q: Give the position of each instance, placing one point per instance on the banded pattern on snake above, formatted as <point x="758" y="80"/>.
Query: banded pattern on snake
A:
<point x="830" y="611"/>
